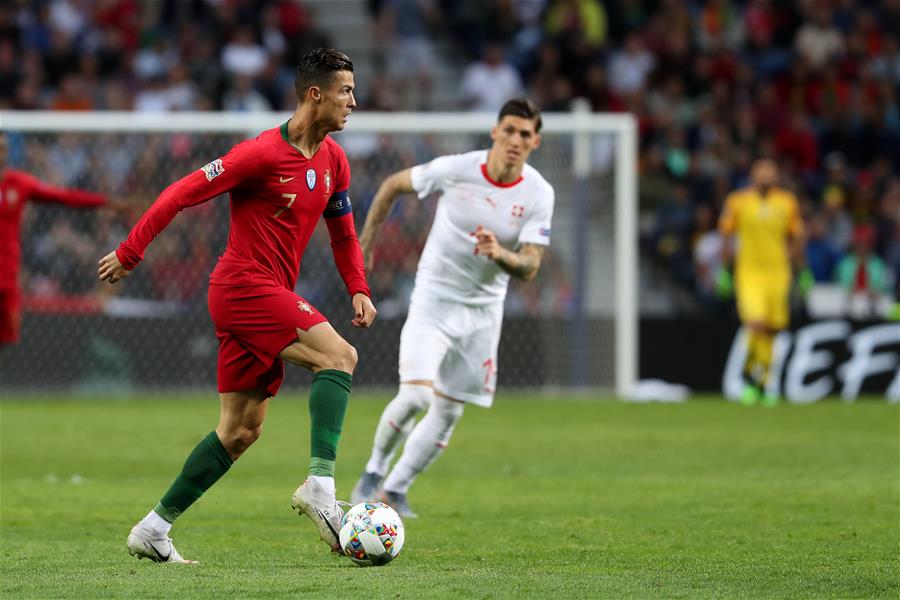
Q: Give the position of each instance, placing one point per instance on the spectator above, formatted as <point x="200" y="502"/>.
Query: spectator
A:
<point x="242" y="55"/>
<point x="863" y="274"/>
<point x="153" y="97"/>
<point x="155" y="60"/>
<point x="60" y="59"/>
<point x="273" y="38"/>
<point x="707" y="253"/>
<point x="9" y="73"/>
<point x="672" y="241"/>
<point x="580" y="20"/>
<point x="797" y="143"/>
<point x="206" y="72"/>
<point x="487" y="84"/>
<point x="180" y="92"/>
<point x="629" y="67"/>
<point x="821" y="253"/>
<point x="887" y="219"/>
<point x="72" y="94"/>
<point x="241" y="97"/>
<point x="412" y="60"/>
<point x="761" y="51"/>
<point x="597" y="91"/>
<point x="719" y="25"/>
<point x="818" y="41"/>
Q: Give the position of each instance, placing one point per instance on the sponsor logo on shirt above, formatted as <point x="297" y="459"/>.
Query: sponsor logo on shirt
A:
<point x="327" y="182"/>
<point x="304" y="306"/>
<point x="285" y="179"/>
<point x="213" y="169"/>
<point x="311" y="179"/>
<point x="490" y="201"/>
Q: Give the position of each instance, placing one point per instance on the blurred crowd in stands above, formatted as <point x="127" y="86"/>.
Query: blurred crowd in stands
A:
<point x="713" y="84"/>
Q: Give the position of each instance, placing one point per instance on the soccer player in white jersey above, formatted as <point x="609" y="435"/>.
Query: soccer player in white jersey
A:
<point x="492" y="222"/>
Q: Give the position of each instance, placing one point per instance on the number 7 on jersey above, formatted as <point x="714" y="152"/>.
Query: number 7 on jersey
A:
<point x="290" y="197"/>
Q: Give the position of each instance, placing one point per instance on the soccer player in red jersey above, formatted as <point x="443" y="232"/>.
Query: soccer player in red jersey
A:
<point x="17" y="188"/>
<point x="280" y="184"/>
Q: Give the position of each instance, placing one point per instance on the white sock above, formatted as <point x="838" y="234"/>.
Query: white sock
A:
<point x="396" y="422"/>
<point x="326" y="483"/>
<point x="156" y="523"/>
<point x="427" y="441"/>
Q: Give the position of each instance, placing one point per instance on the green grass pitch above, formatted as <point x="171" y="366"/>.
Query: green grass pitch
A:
<point x="559" y="498"/>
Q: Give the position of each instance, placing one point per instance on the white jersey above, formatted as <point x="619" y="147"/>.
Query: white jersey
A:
<point x="518" y="213"/>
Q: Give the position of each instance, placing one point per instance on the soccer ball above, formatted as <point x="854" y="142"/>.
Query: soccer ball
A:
<point x="371" y="534"/>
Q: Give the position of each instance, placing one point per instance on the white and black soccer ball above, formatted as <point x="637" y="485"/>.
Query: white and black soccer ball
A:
<point x="371" y="534"/>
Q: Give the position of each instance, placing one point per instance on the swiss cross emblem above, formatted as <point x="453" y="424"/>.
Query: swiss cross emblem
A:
<point x="304" y="306"/>
<point x="518" y="210"/>
<point x="327" y="182"/>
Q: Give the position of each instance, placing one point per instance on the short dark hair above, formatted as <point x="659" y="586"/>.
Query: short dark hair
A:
<point x="317" y="67"/>
<point x="522" y="107"/>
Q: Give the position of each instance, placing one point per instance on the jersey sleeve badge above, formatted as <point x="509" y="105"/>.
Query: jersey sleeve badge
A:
<point x="213" y="169"/>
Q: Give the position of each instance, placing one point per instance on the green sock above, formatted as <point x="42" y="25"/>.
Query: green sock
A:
<point x="328" y="400"/>
<point x="203" y="467"/>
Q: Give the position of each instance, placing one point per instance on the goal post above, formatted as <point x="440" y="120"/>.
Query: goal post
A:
<point x="575" y="327"/>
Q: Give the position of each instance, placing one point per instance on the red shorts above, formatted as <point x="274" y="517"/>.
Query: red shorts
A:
<point x="253" y="325"/>
<point x="10" y="315"/>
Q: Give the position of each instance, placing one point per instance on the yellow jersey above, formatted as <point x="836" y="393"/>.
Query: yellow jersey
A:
<point x="762" y="226"/>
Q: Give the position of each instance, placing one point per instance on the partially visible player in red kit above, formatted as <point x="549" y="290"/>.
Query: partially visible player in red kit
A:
<point x="16" y="189"/>
<point x="280" y="183"/>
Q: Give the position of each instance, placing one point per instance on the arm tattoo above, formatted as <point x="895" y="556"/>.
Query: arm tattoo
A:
<point x="523" y="264"/>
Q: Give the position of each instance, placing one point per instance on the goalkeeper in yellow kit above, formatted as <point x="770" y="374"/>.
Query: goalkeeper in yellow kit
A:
<point x="767" y="223"/>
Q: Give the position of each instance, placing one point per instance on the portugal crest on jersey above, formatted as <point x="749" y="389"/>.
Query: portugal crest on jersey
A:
<point x="311" y="179"/>
<point x="304" y="306"/>
<point x="327" y="177"/>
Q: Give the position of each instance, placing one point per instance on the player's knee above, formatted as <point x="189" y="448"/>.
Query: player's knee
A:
<point x="441" y="419"/>
<point x="343" y="359"/>
<point x="242" y="438"/>
<point x="415" y="397"/>
<point x="447" y="411"/>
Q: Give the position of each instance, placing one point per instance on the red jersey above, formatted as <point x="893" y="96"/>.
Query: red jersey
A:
<point x="277" y="198"/>
<point x="17" y="188"/>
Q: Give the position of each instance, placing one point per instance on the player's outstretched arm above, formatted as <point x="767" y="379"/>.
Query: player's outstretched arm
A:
<point x="44" y="192"/>
<point x="523" y="264"/>
<point x="396" y="184"/>
<point x="217" y="177"/>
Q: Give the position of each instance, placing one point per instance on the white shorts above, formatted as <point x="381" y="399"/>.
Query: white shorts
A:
<point x="455" y="346"/>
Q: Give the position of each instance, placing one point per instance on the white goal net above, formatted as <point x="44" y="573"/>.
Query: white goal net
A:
<point x="573" y="327"/>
